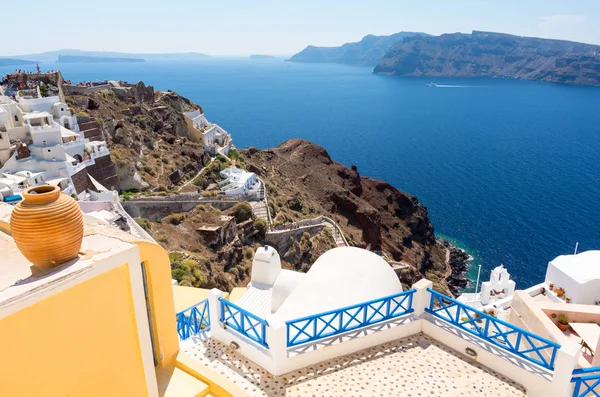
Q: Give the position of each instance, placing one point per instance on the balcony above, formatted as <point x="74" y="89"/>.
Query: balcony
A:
<point x="418" y="342"/>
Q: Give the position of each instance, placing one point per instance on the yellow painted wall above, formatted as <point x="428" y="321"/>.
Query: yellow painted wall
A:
<point x="79" y="342"/>
<point x="160" y="291"/>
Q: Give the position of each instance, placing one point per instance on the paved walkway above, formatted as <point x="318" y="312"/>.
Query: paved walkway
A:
<point x="414" y="366"/>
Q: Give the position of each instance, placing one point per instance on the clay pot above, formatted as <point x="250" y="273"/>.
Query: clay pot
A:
<point x="47" y="226"/>
<point x="563" y="327"/>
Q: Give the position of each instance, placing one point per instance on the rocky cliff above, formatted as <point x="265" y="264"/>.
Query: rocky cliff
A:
<point x="366" y="52"/>
<point x="145" y="132"/>
<point x="494" y="55"/>
<point x="303" y="182"/>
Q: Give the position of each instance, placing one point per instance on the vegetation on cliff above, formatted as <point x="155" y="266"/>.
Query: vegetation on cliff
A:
<point x="209" y="247"/>
<point x="494" y="55"/>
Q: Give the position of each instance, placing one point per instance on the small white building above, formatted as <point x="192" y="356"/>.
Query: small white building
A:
<point x="578" y="275"/>
<point x="500" y="285"/>
<point x="238" y="181"/>
<point x="215" y="139"/>
<point x="341" y="277"/>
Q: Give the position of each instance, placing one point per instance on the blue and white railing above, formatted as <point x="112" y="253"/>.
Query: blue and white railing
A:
<point x="335" y="322"/>
<point x="507" y="336"/>
<point x="193" y="320"/>
<point x="244" y="322"/>
<point x="586" y="382"/>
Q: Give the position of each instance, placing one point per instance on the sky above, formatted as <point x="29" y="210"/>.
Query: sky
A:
<point x="278" y="27"/>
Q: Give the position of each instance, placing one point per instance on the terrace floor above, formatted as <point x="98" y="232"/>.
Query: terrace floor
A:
<point x="414" y="366"/>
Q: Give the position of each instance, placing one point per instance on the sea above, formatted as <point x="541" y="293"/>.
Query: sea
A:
<point x="508" y="169"/>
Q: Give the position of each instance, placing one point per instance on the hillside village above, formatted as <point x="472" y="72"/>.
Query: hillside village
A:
<point x="278" y="246"/>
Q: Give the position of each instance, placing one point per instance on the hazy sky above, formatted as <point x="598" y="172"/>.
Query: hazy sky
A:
<point x="241" y="27"/>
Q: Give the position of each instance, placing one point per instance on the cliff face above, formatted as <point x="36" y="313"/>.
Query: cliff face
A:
<point x="145" y="132"/>
<point x="366" y="52"/>
<point x="303" y="182"/>
<point x="494" y="55"/>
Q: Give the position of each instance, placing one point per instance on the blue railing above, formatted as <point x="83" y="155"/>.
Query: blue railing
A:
<point x="244" y="322"/>
<point x="497" y="332"/>
<point x="319" y="326"/>
<point x="193" y="320"/>
<point x="587" y="382"/>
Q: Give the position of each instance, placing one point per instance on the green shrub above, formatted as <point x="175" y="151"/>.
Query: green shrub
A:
<point x="242" y="211"/>
<point x="144" y="223"/>
<point x="261" y="226"/>
<point x="162" y="238"/>
<point x="248" y="253"/>
<point x="176" y="219"/>
<point x="187" y="272"/>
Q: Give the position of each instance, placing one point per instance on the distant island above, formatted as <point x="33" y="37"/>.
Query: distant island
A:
<point x="261" y="56"/>
<point x="14" y="61"/>
<point x="79" y="59"/>
<point x="367" y="52"/>
<point x="488" y="54"/>
<point x="52" y="56"/>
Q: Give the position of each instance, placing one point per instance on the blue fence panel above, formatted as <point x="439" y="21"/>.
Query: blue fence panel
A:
<point x="319" y="326"/>
<point x="244" y="322"/>
<point x="193" y="320"/>
<point x="586" y="382"/>
<point x="500" y="333"/>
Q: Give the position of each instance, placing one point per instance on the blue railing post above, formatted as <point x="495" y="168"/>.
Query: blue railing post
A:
<point x="249" y="325"/>
<point x="193" y="320"/>
<point x="539" y="346"/>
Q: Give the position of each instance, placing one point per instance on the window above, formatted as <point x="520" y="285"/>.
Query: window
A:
<point x="16" y="118"/>
<point x="62" y="109"/>
<point x="49" y="150"/>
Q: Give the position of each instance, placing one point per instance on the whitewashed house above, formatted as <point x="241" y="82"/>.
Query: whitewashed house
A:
<point x="46" y="144"/>
<point x="214" y="139"/>
<point x="578" y="275"/>
<point x="238" y="182"/>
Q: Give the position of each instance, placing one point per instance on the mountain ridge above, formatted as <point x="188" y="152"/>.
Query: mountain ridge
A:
<point x="489" y="54"/>
<point x="52" y="56"/>
<point x="366" y="52"/>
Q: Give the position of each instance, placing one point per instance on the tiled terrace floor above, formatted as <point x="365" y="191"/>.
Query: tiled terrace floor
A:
<point x="415" y="366"/>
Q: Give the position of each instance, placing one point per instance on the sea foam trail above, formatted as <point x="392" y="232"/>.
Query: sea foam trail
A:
<point x="456" y="86"/>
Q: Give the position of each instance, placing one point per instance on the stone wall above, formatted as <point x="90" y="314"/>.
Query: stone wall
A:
<point x="281" y="239"/>
<point x="154" y="209"/>
<point x="105" y="172"/>
<point x="90" y="129"/>
<point x="81" y="181"/>
<point x="137" y="93"/>
<point x="50" y="78"/>
<point x="78" y="90"/>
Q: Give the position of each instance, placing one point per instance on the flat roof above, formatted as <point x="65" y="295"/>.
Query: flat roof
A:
<point x="582" y="267"/>
<point x="16" y="278"/>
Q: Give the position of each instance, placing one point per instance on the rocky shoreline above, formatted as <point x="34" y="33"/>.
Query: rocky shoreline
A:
<point x="459" y="258"/>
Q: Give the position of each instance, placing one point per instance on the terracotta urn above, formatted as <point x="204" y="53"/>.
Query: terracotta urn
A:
<point x="47" y="226"/>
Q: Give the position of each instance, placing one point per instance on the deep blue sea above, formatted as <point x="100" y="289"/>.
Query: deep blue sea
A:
<point x="509" y="169"/>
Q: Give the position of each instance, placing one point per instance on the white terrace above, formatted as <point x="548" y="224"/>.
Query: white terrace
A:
<point x="347" y="328"/>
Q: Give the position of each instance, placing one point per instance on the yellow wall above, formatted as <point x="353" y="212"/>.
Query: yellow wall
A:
<point x="79" y="342"/>
<point x="160" y="291"/>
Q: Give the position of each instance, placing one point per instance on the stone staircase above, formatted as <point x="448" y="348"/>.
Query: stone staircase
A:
<point x="91" y="130"/>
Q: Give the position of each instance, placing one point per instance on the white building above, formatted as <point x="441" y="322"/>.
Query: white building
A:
<point x="238" y="181"/>
<point x="215" y="139"/>
<point x="578" y="275"/>
<point x="47" y="144"/>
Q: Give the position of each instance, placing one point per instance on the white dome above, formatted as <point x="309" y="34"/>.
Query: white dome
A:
<point x="341" y="277"/>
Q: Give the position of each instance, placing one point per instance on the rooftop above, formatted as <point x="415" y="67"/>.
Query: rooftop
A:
<point x="581" y="267"/>
<point x="16" y="278"/>
<point x="413" y="366"/>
